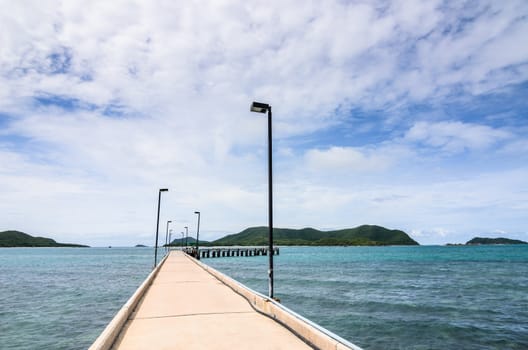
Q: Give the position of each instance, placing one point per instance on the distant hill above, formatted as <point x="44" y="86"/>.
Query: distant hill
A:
<point x="190" y="241"/>
<point x="21" y="239"/>
<point x="362" y="235"/>
<point x="480" y="240"/>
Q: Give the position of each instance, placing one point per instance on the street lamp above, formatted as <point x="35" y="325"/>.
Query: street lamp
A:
<point x="167" y="234"/>
<point x="170" y="239"/>
<point x="263" y="108"/>
<point x="198" y="236"/>
<point x="157" y="227"/>
<point x="182" y="240"/>
<point x="186" y="235"/>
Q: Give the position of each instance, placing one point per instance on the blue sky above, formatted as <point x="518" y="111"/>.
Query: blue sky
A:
<point x="408" y="114"/>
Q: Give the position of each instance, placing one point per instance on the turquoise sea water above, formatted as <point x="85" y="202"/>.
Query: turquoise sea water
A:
<point x="376" y="297"/>
<point x="429" y="297"/>
<point x="63" y="298"/>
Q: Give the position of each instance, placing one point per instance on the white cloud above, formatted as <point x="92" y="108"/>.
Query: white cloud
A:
<point x="455" y="136"/>
<point x="346" y="159"/>
<point x="306" y="58"/>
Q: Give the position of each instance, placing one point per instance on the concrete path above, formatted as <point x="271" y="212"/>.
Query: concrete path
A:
<point x="188" y="308"/>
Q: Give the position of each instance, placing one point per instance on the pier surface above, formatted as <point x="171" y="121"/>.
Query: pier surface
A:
<point x="186" y="307"/>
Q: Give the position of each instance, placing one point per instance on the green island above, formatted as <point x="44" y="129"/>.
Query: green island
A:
<point x="190" y="241"/>
<point x="11" y="239"/>
<point x="480" y="240"/>
<point x="365" y="235"/>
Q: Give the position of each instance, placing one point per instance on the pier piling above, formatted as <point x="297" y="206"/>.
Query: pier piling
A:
<point x="227" y="252"/>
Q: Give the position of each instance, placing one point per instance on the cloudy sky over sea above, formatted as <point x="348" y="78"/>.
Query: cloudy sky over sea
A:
<point x="407" y="114"/>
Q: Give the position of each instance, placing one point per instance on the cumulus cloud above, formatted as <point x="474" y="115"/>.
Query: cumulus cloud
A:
<point x="346" y="159"/>
<point x="455" y="136"/>
<point x="306" y="60"/>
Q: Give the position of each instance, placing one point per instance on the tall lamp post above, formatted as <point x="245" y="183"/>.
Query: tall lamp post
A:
<point x="167" y="234"/>
<point x="198" y="236"/>
<point x="170" y="239"/>
<point x="263" y="108"/>
<point x="186" y="235"/>
<point x="157" y="227"/>
<point x="182" y="240"/>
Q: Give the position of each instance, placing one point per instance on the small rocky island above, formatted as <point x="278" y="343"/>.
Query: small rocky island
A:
<point x="480" y="240"/>
<point x="11" y="239"/>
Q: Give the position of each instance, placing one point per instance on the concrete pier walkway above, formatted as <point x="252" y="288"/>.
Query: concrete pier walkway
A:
<point x="188" y="308"/>
<point x="185" y="304"/>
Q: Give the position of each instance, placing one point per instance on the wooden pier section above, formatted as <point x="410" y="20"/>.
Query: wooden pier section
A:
<point x="184" y="304"/>
<point x="220" y="252"/>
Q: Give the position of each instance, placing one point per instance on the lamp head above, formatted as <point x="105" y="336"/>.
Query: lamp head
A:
<point x="260" y="107"/>
<point x="164" y="189"/>
<point x="197" y="212"/>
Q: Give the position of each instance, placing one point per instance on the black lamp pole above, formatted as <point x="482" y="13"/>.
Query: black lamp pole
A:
<point x="263" y="108"/>
<point x="198" y="236"/>
<point x="157" y="227"/>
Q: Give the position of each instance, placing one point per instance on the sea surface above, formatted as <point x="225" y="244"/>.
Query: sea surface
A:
<point x="427" y="297"/>
<point x="63" y="298"/>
